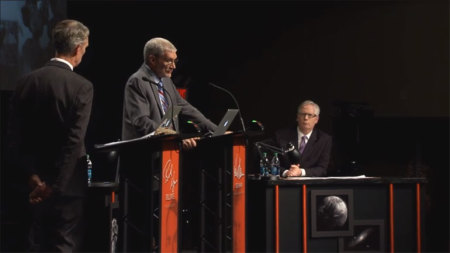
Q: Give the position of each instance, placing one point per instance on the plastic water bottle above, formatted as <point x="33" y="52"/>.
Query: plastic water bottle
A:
<point x="264" y="165"/>
<point x="89" y="169"/>
<point x="275" y="165"/>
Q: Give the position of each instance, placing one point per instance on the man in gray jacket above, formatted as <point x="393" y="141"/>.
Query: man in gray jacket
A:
<point x="150" y="91"/>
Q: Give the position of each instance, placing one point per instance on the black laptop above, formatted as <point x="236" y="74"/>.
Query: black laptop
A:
<point x="226" y="121"/>
<point x="169" y="115"/>
<point x="105" y="169"/>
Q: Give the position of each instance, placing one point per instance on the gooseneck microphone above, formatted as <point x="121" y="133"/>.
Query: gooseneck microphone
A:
<point x="289" y="150"/>
<point x="263" y="145"/>
<point x="144" y="78"/>
<point x="293" y="154"/>
<point x="235" y="101"/>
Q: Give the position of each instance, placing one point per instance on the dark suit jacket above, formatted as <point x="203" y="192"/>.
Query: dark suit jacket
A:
<point x="316" y="155"/>
<point x="50" y="115"/>
<point x="142" y="112"/>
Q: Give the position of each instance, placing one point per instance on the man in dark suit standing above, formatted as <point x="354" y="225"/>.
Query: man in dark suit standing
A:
<point x="313" y="144"/>
<point x="51" y="108"/>
<point x="149" y="92"/>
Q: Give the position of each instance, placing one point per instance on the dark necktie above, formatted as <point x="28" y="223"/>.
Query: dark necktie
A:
<point x="302" y="144"/>
<point x="162" y="97"/>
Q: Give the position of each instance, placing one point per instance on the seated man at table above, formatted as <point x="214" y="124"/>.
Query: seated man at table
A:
<point x="313" y="145"/>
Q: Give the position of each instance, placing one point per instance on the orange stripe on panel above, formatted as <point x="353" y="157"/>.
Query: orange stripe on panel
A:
<point x="169" y="197"/>
<point x="391" y="215"/>
<point x="238" y="200"/>
<point x="305" y="248"/>
<point x="277" y="220"/>
<point x="419" y="241"/>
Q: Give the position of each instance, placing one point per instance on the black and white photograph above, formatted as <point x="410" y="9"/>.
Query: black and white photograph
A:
<point x="331" y="213"/>
<point x="368" y="236"/>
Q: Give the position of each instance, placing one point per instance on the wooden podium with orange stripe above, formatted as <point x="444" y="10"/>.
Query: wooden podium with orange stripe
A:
<point x="150" y="217"/>
<point x="223" y="186"/>
<point x="236" y="175"/>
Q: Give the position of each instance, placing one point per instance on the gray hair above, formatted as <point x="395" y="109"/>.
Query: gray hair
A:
<point x="67" y="35"/>
<point x="157" y="47"/>
<point x="309" y="102"/>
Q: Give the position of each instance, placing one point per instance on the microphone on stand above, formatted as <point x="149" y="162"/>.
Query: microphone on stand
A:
<point x="293" y="154"/>
<point x="235" y="101"/>
<point x="144" y="78"/>
<point x="290" y="150"/>
<point x="258" y="148"/>
<point x="260" y="145"/>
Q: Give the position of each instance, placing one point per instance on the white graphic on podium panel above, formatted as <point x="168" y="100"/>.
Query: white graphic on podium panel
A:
<point x="169" y="175"/>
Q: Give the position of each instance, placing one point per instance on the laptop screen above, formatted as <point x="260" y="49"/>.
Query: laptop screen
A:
<point x="226" y="121"/>
<point x="105" y="166"/>
<point x="169" y="115"/>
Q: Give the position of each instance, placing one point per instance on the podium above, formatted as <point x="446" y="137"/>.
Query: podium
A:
<point x="150" y="195"/>
<point x="221" y="175"/>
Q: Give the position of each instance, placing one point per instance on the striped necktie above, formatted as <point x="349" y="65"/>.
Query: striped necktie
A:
<point x="162" y="98"/>
<point x="302" y="144"/>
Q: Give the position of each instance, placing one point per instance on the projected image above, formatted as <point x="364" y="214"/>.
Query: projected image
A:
<point x="331" y="213"/>
<point x="368" y="236"/>
<point x="25" y="36"/>
<point x="9" y="53"/>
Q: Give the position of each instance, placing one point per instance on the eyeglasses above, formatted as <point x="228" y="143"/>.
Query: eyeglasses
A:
<point x="309" y="115"/>
<point x="170" y="62"/>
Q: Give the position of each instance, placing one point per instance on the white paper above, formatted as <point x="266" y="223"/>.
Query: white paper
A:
<point x="327" y="178"/>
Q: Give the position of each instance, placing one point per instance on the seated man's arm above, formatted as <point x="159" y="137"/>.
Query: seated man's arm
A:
<point x="320" y="166"/>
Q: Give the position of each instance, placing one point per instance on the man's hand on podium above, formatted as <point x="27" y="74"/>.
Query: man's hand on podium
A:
<point x="164" y="131"/>
<point x="190" y="143"/>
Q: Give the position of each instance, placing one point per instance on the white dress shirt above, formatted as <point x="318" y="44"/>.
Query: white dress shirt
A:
<point x="62" y="60"/>
<point x="299" y="140"/>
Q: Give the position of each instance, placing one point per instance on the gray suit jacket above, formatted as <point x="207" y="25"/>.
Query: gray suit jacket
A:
<point x="142" y="112"/>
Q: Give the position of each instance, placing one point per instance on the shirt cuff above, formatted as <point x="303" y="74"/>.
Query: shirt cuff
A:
<point x="302" y="175"/>
<point x="303" y="172"/>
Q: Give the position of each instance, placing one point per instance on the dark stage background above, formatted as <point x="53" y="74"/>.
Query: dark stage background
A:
<point x="378" y="69"/>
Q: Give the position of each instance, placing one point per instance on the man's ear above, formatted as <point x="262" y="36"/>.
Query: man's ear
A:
<point x="151" y="59"/>
<point x="76" y="51"/>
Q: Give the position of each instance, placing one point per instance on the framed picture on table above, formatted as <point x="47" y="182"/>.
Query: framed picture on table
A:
<point x="368" y="236"/>
<point x="331" y="213"/>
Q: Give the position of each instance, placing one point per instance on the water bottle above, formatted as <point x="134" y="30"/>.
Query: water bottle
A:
<point x="264" y="165"/>
<point x="275" y="165"/>
<point x="89" y="169"/>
